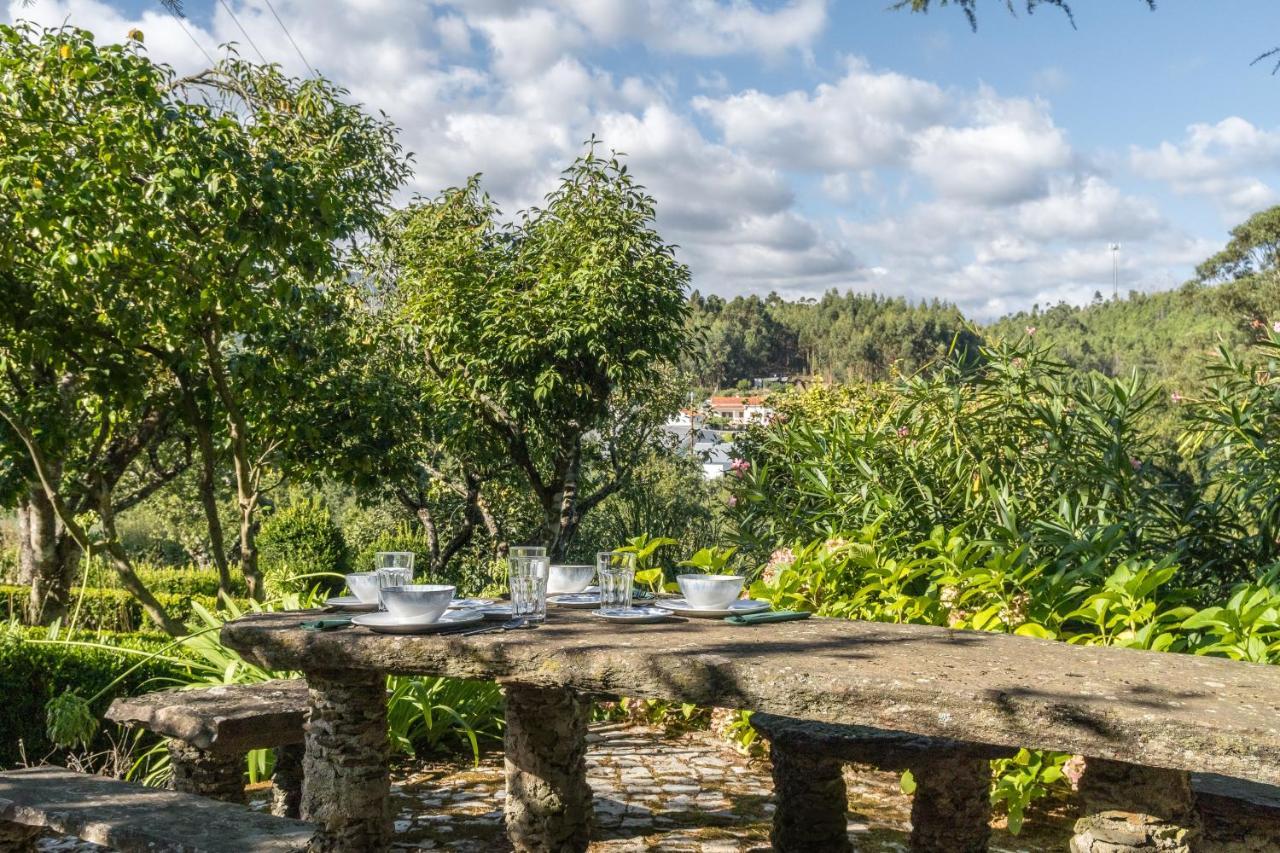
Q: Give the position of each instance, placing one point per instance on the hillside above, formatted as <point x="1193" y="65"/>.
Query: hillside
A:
<point x="1168" y="334"/>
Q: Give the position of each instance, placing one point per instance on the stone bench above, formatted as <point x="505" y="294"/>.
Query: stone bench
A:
<point x="211" y="729"/>
<point x="951" y="809"/>
<point x="134" y="819"/>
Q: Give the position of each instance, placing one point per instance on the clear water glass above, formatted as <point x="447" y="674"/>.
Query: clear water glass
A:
<point x="528" y="582"/>
<point x="617" y="573"/>
<point x="393" y="560"/>
<point x="392" y="576"/>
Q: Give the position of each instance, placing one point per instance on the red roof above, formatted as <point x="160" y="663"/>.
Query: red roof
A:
<point x="724" y="402"/>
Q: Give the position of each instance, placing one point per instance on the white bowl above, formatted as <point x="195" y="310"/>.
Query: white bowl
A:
<point x="710" y="592"/>
<point x="570" y="578"/>
<point x="364" y="586"/>
<point x="425" y="601"/>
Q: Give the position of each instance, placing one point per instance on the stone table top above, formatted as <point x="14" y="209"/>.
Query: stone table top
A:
<point x="221" y="718"/>
<point x="1150" y="708"/>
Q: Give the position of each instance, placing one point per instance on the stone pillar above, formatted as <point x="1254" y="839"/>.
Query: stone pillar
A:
<point x="951" y="807"/>
<point x="346" y="784"/>
<point x="548" y="805"/>
<point x="19" y="837"/>
<point x="286" y="781"/>
<point x="1133" y="809"/>
<point x="810" y="801"/>
<point x="209" y="774"/>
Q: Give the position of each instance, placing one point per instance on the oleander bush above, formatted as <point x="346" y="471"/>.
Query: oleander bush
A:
<point x="1010" y="493"/>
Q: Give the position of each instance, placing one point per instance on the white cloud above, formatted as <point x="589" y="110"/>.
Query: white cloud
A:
<point x="1005" y="155"/>
<point x="869" y="178"/>
<point x="866" y="118"/>
<point x="1219" y="161"/>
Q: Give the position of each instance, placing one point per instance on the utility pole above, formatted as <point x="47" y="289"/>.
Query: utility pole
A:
<point x="1115" y="270"/>
<point x="693" y="423"/>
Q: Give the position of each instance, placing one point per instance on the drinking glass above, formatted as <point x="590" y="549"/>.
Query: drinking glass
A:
<point x="393" y="560"/>
<point x="390" y="576"/>
<point x="617" y="571"/>
<point x="528" y="582"/>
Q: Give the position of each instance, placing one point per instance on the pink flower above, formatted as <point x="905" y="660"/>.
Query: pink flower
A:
<point x="1031" y="330"/>
<point x="1275" y="327"/>
<point x="732" y="500"/>
<point x="1073" y="770"/>
<point x="782" y="558"/>
<point x="1135" y="462"/>
<point x="1175" y="397"/>
<point x="740" y="467"/>
<point x="903" y="432"/>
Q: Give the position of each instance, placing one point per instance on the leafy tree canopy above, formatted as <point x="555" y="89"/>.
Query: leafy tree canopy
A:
<point x="1254" y="248"/>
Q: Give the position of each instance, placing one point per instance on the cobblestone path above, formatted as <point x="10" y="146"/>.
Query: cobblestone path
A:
<point x="652" y="792"/>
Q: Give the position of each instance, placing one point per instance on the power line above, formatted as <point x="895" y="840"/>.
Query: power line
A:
<point x="243" y="31"/>
<point x="198" y="45"/>
<point x="290" y="38"/>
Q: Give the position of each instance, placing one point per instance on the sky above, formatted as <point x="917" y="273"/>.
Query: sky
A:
<point x="807" y="145"/>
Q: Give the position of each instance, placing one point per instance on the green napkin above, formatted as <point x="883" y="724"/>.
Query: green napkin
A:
<point x="767" y="617"/>
<point x="331" y="624"/>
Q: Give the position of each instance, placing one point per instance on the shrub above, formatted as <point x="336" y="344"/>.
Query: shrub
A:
<point x="97" y="609"/>
<point x="32" y="673"/>
<point x="404" y="538"/>
<point x="300" y="539"/>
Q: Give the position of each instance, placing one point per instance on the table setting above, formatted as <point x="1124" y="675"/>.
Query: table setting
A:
<point x="387" y="601"/>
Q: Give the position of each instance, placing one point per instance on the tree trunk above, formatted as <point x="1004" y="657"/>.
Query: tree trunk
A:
<point x="48" y="558"/>
<point x="247" y="472"/>
<point x="208" y="487"/>
<point x="560" y="513"/>
<point x="124" y="568"/>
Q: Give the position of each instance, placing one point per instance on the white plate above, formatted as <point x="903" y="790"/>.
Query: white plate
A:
<point x="634" y="614"/>
<point x="387" y="623"/>
<point x="349" y="602"/>
<point x="464" y="603"/>
<point x="496" y="611"/>
<point x="743" y="605"/>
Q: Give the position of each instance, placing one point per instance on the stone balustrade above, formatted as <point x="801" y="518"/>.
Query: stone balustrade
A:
<point x="1142" y="719"/>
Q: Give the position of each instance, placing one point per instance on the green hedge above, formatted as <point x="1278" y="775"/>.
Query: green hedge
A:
<point x="108" y="609"/>
<point x="185" y="580"/>
<point x="33" y="673"/>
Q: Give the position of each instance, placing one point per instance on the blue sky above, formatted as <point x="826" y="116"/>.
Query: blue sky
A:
<point x="804" y="145"/>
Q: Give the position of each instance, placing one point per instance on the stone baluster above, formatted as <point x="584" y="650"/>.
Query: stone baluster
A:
<point x="346" y="786"/>
<point x="1134" y="809"/>
<point x="548" y="804"/>
<point x="210" y="774"/>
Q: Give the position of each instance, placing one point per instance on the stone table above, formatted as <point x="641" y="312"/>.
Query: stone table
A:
<point x="1143" y="719"/>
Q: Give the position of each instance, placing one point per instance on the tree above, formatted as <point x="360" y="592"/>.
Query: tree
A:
<point x="970" y="7"/>
<point x="549" y="333"/>
<point x="83" y="416"/>
<point x="203" y="239"/>
<point x="1254" y="248"/>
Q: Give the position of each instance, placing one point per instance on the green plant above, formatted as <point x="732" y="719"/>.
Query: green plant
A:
<point x="298" y="543"/>
<point x="1026" y="777"/>
<point x="39" y="666"/>
<point x="423" y="712"/>
<point x="712" y="561"/>
<point x="645" y="548"/>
